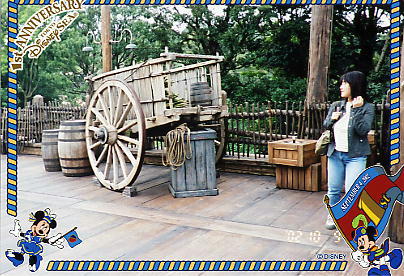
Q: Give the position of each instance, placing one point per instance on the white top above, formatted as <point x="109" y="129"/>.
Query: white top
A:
<point x="341" y="130"/>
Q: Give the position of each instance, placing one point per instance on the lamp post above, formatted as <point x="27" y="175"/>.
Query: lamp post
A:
<point x="106" y="40"/>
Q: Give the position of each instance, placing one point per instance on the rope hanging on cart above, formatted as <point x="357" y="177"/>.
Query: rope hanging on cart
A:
<point x="177" y="147"/>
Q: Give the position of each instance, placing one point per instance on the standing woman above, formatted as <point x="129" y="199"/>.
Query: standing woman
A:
<point x="350" y="119"/>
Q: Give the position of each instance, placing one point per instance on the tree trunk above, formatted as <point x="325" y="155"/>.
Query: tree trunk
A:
<point x="319" y="54"/>
<point x="396" y="224"/>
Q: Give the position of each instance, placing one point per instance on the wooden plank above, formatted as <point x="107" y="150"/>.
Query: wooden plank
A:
<point x="215" y="83"/>
<point x="210" y="164"/>
<point x="283" y="161"/>
<point x="290" y="177"/>
<point x="278" y="174"/>
<point x="308" y="179"/>
<point x="180" y="182"/>
<point x="265" y="232"/>
<point x="315" y="176"/>
<point x="284" y="177"/>
<point x="130" y="68"/>
<point x="195" y="56"/>
<point x="190" y="172"/>
<point x="158" y="90"/>
<point x="295" y="176"/>
<point x="302" y="179"/>
<point x="201" y="163"/>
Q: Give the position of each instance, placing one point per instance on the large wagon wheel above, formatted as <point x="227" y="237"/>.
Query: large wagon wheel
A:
<point x="115" y="134"/>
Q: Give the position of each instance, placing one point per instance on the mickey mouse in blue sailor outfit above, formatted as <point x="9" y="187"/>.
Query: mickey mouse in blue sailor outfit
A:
<point x="43" y="221"/>
<point x="368" y="254"/>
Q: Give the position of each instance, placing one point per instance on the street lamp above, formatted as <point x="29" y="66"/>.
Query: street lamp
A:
<point x="131" y="45"/>
<point x="88" y="48"/>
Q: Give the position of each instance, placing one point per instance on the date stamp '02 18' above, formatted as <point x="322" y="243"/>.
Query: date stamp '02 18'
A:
<point x="314" y="236"/>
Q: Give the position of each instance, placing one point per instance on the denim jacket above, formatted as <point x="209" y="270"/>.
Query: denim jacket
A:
<point x="360" y="123"/>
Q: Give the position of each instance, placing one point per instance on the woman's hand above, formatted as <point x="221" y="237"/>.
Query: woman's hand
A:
<point x="357" y="102"/>
<point x="335" y="116"/>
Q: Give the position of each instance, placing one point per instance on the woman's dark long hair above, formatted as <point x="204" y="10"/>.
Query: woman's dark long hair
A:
<point x="357" y="81"/>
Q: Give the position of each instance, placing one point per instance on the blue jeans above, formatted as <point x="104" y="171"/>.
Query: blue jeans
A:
<point x="342" y="169"/>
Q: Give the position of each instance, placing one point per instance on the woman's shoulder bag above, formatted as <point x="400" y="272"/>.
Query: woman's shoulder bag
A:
<point x="325" y="139"/>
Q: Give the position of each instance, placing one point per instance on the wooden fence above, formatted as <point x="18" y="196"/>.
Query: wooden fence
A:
<point x="33" y="119"/>
<point x="251" y="126"/>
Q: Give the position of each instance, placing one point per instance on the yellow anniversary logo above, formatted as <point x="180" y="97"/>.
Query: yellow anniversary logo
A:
<point x="48" y="34"/>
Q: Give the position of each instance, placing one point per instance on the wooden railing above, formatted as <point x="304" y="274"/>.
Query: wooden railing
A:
<point x="33" y="119"/>
<point x="251" y="126"/>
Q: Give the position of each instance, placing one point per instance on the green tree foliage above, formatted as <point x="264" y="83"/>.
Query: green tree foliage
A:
<point x="265" y="48"/>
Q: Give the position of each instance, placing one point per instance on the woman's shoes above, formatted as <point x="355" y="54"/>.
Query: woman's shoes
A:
<point x="329" y="224"/>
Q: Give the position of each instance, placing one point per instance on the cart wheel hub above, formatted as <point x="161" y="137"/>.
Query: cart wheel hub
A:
<point x="101" y="135"/>
<point x="106" y="134"/>
<point x="112" y="134"/>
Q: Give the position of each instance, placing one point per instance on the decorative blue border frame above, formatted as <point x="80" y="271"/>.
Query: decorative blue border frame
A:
<point x="196" y="265"/>
<point x="12" y="120"/>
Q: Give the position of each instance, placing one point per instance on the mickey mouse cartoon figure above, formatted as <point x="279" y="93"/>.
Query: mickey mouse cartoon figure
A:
<point x="368" y="254"/>
<point x="43" y="221"/>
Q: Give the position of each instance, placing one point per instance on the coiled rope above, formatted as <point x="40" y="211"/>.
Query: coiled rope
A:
<point x="177" y="147"/>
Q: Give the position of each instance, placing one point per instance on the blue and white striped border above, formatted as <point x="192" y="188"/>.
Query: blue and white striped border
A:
<point x="12" y="120"/>
<point x="196" y="265"/>
<point x="395" y="82"/>
<point x="217" y="2"/>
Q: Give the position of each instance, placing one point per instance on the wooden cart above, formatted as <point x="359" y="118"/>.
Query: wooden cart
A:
<point x="129" y="103"/>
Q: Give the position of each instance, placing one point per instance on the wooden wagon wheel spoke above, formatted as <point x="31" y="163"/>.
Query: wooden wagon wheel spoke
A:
<point x="127" y="152"/>
<point x="124" y="115"/>
<point x="129" y="140"/>
<point x="99" y="116"/>
<point x="115" y="165"/>
<point x="102" y="155"/>
<point x="95" y="145"/>
<point x="128" y="126"/>
<point x="111" y="103"/>
<point x="122" y="161"/>
<point x="108" y="143"/>
<point x="104" y="107"/>
<point x="119" y="107"/>
<point x="108" y="164"/>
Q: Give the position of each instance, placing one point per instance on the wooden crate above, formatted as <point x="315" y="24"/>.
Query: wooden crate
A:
<point x="197" y="176"/>
<point x="298" y="154"/>
<point x="296" y="178"/>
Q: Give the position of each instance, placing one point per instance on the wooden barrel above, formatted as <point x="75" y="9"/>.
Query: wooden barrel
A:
<point x="72" y="149"/>
<point x="49" y="147"/>
<point x="201" y="94"/>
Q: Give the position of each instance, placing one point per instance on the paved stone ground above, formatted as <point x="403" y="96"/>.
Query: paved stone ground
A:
<point x="250" y="220"/>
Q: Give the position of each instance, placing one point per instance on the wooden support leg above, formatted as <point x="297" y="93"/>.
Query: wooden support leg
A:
<point x="129" y="191"/>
